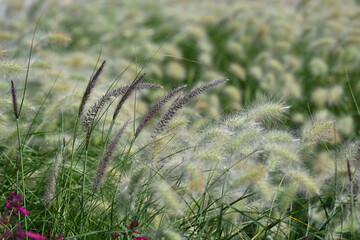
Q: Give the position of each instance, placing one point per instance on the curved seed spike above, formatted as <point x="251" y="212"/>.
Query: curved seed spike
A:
<point x="156" y="107"/>
<point x="181" y="101"/>
<point x="89" y="88"/>
<point x="127" y="94"/>
<point x="99" y="104"/>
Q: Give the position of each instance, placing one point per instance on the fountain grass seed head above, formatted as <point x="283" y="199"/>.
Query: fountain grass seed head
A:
<point x="100" y="173"/>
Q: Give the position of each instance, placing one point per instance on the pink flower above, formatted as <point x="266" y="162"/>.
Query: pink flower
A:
<point x="115" y="235"/>
<point x="21" y="235"/>
<point x="23" y="211"/>
<point x="11" y="195"/>
<point x="13" y="204"/>
<point x="35" y="236"/>
<point x="133" y="226"/>
<point x="60" y="236"/>
<point x="140" y="238"/>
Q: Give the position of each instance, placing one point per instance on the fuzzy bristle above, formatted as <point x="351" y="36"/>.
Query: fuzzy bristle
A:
<point x="51" y="182"/>
<point x="100" y="103"/>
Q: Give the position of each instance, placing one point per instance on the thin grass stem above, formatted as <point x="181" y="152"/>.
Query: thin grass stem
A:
<point x="22" y="168"/>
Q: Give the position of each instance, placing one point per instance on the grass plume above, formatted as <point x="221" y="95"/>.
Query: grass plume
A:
<point x="100" y="103"/>
<point x="89" y="88"/>
<point x="156" y="107"/>
<point x="51" y="181"/>
<point x="181" y="101"/>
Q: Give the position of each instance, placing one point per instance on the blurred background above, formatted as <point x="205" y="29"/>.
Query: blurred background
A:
<point x="306" y="52"/>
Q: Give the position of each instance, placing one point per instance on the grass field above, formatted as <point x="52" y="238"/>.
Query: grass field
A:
<point x="179" y="119"/>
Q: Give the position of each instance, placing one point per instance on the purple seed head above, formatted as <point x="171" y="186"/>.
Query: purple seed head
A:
<point x="130" y="89"/>
<point x="89" y="89"/>
<point x="349" y="170"/>
<point x="156" y="107"/>
<point x="100" y="103"/>
<point x="181" y="101"/>
<point x="87" y="137"/>
<point x="14" y="100"/>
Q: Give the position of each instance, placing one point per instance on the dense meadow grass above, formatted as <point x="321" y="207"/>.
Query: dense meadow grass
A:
<point x="179" y="119"/>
